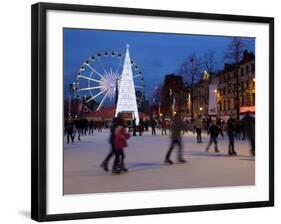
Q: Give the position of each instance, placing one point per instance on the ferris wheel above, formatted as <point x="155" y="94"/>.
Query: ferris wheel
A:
<point x="99" y="76"/>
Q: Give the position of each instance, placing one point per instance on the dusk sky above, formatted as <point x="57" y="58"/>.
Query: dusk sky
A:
<point x="156" y="54"/>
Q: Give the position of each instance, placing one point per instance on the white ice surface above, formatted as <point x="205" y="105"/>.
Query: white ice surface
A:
<point x="144" y="159"/>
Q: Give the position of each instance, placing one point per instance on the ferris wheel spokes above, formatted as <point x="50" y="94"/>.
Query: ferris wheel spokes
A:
<point x="100" y="75"/>
<point x="90" y="88"/>
<point x="95" y="96"/>
<point x="88" y="78"/>
<point x="95" y="71"/>
<point x="139" y="87"/>
<point x="104" y="97"/>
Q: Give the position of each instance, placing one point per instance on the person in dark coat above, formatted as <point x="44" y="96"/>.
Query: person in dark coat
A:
<point x="70" y="130"/>
<point x="104" y="164"/>
<point x="141" y="126"/>
<point x="78" y="126"/>
<point x="91" y="127"/>
<point x="219" y="123"/>
<point x="163" y="126"/>
<point x="214" y="131"/>
<point x="231" y="127"/>
<point x="153" y="125"/>
<point x="176" y="129"/>
<point x="198" y="125"/>
<point x="134" y="127"/>
<point x="249" y="127"/>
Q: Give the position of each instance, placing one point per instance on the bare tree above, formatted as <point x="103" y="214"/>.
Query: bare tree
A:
<point x="209" y="62"/>
<point x="191" y="71"/>
<point x="235" y="50"/>
<point x="234" y="55"/>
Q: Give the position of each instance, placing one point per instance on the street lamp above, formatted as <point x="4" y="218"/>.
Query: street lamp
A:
<point x="171" y="100"/>
<point x="156" y="88"/>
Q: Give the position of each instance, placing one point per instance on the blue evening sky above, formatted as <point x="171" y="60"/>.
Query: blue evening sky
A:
<point x="156" y="54"/>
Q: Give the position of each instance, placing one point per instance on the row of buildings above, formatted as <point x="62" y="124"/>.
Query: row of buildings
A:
<point x="235" y="91"/>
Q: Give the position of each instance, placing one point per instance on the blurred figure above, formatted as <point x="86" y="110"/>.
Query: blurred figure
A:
<point x="134" y="127"/>
<point x="153" y="125"/>
<point x="99" y="126"/>
<point x="220" y="124"/>
<point x="163" y="126"/>
<point x="146" y="125"/>
<point x="231" y="127"/>
<point x="176" y="128"/>
<point x="214" y="131"/>
<point x="78" y="127"/>
<point x="104" y="164"/>
<point x="186" y="126"/>
<point x="238" y="128"/>
<point x="249" y="127"/>
<point x="91" y="127"/>
<point x="141" y="126"/>
<point x="70" y="130"/>
<point x="197" y="125"/>
<point x="120" y="142"/>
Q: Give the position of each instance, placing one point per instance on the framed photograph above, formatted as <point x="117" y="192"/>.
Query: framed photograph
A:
<point x="139" y="111"/>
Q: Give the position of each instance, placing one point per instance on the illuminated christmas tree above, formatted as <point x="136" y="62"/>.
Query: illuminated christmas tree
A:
<point x="126" y="101"/>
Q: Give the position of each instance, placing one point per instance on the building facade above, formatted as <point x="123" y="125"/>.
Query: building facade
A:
<point x="234" y="82"/>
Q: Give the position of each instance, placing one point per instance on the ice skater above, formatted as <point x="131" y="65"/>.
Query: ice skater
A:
<point x="134" y="127"/>
<point x="231" y="127"/>
<point x="249" y="127"/>
<point x="141" y="125"/>
<point x="104" y="164"/>
<point x="120" y="142"/>
<point x="176" y="129"/>
<point x="70" y="131"/>
<point x="153" y="125"/>
<point x="214" y="131"/>
<point x="197" y="125"/>
<point x="163" y="127"/>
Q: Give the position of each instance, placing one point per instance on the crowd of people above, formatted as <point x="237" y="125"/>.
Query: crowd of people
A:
<point x="236" y="130"/>
<point x="78" y="127"/>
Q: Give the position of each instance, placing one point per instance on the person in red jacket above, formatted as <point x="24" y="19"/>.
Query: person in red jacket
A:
<point x="120" y="142"/>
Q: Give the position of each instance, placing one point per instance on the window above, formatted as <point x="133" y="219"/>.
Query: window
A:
<point x="242" y="71"/>
<point x="242" y="100"/>
<point x="254" y="99"/>
<point x="242" y="85"/>
<point x="247" y="84"/>
<point x="224" y="91"/>
<point x="253" y="67"/>
<point x="228" y="105"/>
<point x="247" y="69"/>
<point x="224" y="105"/>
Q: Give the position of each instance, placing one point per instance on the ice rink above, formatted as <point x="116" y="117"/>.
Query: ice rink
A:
<point x="145" y="161"/>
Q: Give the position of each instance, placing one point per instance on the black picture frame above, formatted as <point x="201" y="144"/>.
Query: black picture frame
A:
<point x="38" y="109"/>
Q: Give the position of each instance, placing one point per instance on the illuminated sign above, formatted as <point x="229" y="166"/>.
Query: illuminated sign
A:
<point x="251" y="109"/>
